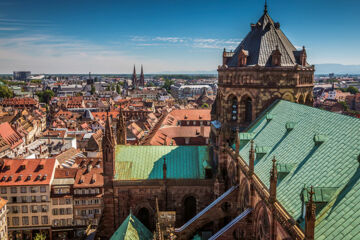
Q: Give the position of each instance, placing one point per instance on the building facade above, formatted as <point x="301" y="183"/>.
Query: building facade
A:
<point x="3" y="220"/>
<point x="26" y="185"/>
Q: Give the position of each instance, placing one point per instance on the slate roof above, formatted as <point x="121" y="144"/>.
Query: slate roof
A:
<point x="146" y="162"/>
<point x="328" y="165"/>
<point x="132" y="229"/>
<point x="262" y="40"/>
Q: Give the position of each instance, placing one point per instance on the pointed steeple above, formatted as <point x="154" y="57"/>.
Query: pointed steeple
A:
<point x="121" y="129"/>
<point x="108" y="151"/>
<point x="134" y="78"/>
<point x="108" y="138"/>
<point x="273" y="181"/>
<point x="142" y="77"/>
<point x="251" y="158"/>
<point x="265" y="7"/>
<point x="310" y="217"/>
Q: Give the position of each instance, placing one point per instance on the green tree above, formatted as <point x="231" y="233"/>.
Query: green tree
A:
<point x="93" y="90"/>
<point x="36" y="81"/>
<point x="6" y="92"/>
<point x="112" y="87"/>
<point x="40" y="236"/>
<point x="118" y="89"/>
<point x="352" y="90"/>
<point x="167" y="84"/>
<point x="45" y="96"/>
<point x="150" y="84"/>
<point x="346" y="107"/>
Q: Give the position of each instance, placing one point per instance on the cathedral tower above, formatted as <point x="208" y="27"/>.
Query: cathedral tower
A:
<point x="121" y="129"/>
<point x="264" y="67"/>
<point x="142" y="77"/>
<point x="134" y="79"/>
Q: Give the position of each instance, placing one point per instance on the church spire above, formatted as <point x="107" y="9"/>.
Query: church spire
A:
<point x="121" y="129"/>
<point x="142" y="78"/>
<point x="108" y="134"/>
<point x="134" y="78"/>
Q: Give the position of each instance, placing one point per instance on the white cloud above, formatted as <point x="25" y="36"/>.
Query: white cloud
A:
<point x="9" y="29"/>
<point x="52" y="54"/>
<point x="209" y="43"/>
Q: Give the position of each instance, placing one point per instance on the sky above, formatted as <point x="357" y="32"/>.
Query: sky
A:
<point x="110" y="36"/>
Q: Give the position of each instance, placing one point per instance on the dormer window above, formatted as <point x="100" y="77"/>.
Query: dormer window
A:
<point x="276" y="57"/>
<point x="243" y="54"/>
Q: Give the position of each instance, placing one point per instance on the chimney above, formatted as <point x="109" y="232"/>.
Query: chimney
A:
<point x="202" y="130"/>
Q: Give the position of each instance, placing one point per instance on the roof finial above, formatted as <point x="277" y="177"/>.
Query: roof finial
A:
<point x="265" y="8"/>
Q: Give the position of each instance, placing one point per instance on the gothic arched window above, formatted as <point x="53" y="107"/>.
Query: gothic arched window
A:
<point x="234" y="109"/>
<point x="144" y="217"/>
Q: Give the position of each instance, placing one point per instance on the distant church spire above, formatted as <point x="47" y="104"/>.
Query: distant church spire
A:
<point x="142" y="78"/>
<point x="121" y="129"/>
<point x="134" y="78"/>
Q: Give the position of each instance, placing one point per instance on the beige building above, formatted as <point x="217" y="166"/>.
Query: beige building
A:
<point x="25" y="184"/>
<point x="3" y="220"/>
<point x="62" y="203"/>
<point x="88" y="193"/>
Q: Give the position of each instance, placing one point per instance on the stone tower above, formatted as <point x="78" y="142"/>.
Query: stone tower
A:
<point x="108" y="224"/>
<point x="264" y="67"/>
<point x="121" y="129"/>
<point x="134" y="79"/>
<point x="142" y="77"/>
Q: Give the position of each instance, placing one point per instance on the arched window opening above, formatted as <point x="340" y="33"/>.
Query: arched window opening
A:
<point x="301" y="99"/>
<point x="144" y="217"/>
<point x="189" y="208"/>
<point x="246" y="110"/>
<point x="234" y="109"/>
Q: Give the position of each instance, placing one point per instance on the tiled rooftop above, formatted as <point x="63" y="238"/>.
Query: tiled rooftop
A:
<point x="26" y="171"/>
<point x="331" y="164"/>
<point x="146" y="162"/>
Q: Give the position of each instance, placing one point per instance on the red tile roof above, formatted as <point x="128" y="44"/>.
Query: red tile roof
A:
<point x="10" y="136"/>
<point x="65" y="173"/>
<point x="89" y="173"/>
<point x="26" y="101"/>
<point x="15" y="172"/>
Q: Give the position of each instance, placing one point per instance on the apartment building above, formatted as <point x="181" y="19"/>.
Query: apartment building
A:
<point x="62" y="203"/>
<point x="3" y="220"/>
<point x="88" y="192"/>
<point x="26" y="185"/>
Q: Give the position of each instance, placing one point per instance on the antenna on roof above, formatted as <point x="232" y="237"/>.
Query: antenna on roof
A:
<point x="265" y="7"/>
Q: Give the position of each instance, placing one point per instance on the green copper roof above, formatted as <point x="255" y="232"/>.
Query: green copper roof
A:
<point x="326" y="161"/>
<point x="132" y="229"/>
<point x="146" y="162"/>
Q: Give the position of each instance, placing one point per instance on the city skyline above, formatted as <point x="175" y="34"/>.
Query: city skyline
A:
<point x="110" y="37"/>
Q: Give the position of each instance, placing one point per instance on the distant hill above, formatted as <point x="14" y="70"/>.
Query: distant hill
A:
<point x="337" y="69"/>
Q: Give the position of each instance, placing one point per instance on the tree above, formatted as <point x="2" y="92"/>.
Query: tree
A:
<point x="352" y="90"/>
<point x="45" y="96"/>
<point x="40" y="236"/>
<point x="93" y="90"/>
<point x="167" y="84"/>
<point x="118" y="89"/>
<point x="5" y="92"/>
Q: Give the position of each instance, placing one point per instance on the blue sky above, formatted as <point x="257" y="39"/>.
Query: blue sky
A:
<point x="78" y="36"/>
